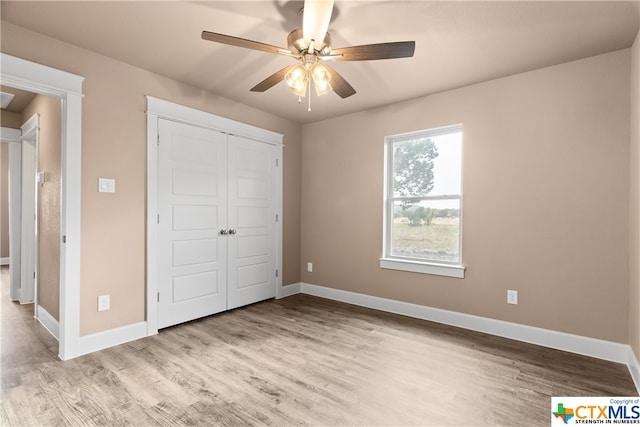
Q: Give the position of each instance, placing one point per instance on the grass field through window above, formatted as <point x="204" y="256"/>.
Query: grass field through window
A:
<point x="438" y="241"/>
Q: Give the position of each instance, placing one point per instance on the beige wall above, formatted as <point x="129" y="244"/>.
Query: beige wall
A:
<point x="634" y="203"/>
<point x="545" y="183"/>
<point x="4" y="200"/>
<point x="113" y="146"/>
<point x="546" y="191"/>
<point x="49" y="157"/>
<point x="9" y="119"/>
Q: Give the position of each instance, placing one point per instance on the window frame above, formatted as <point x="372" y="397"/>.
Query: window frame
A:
<point x="416" y="265"/>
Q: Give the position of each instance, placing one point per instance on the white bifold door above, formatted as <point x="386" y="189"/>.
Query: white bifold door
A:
<point x="217" y="246"/>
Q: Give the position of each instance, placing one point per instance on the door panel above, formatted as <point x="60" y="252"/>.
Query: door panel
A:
<point x="194" y="251"/>
<point x="194" y="286"/>
<point x="195" y="217"/>
<point x="192" y="198"/>
<point x="252" y="250"/>
<point x="28" y="238"/>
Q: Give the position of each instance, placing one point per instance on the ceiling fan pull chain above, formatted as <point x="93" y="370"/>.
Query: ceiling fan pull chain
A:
<point x="309" y="109"/>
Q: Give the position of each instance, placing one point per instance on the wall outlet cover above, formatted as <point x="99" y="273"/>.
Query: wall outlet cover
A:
<point x="512" y="297"/>
<point x="104" y="302"/>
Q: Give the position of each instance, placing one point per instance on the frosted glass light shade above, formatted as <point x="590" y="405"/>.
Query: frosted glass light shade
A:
<point x="321" y="78"/>
<point x="297" y="79"/>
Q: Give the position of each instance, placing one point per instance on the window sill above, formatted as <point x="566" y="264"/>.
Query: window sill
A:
<point x="423" y="267"/>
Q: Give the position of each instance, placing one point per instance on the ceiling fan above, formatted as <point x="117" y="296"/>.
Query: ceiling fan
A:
<point x="311" y="47"/>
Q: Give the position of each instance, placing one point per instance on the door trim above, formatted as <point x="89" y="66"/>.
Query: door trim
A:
<point x="161" y="109"/>
<point x="29" y="243"/>
<point x="22" y="74"/>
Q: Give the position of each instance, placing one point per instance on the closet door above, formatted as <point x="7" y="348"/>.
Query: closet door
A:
<point x="252" y="242"/>
<point x="192" y="206"/>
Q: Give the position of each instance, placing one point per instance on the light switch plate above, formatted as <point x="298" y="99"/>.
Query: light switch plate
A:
<point x="106" y="185"/>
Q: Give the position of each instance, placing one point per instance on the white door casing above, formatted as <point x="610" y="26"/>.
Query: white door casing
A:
<point x="29" y="209"/>
<point x="192" y="193"/>
<point x="22" y="74"/>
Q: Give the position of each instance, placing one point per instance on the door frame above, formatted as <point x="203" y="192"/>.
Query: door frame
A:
<point x="30" y="131"/>
<point x="22" y="74"/>
<point x="161" y="109"/>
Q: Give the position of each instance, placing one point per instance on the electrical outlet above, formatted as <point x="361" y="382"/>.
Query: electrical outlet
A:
<point x="310" y="267"/>
<point x="512" y="297"/>
<point x="104" y="302"/>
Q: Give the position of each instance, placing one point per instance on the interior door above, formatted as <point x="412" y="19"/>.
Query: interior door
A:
<point x="28" y="233"/>
<point x="192" y="195"/>
<point x="252" y="243"/>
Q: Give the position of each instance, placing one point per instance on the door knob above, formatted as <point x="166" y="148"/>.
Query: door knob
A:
<point x="223" y="232"/>
<point x="232" y="231"/>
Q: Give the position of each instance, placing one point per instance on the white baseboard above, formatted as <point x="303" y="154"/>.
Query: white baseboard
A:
<point x="4" y="261"/>
<point x="601" y="349"/>
<point x="288" y="290"/>
<point x="48" y="321"/>
<point x="634" y="368"/>
<point x="101" y="340"/>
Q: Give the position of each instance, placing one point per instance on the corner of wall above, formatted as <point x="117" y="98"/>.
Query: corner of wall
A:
<point x="634" y="201"/>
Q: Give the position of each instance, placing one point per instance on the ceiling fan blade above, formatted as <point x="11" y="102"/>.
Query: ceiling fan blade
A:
<point x="339" y="84"/>
<point x="272" y="80"/>
<point x="240" y="42"/>
<point x="315" y="20"/>
<point x="369" y="52"/>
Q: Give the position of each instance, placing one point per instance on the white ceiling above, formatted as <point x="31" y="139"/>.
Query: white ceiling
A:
<point x="457" y="43"/>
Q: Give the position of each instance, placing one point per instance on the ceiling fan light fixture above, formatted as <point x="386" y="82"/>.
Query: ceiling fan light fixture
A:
<point x="321" y="78"/>
<point x="297" y="79"/>
<point x="310" y="46"/>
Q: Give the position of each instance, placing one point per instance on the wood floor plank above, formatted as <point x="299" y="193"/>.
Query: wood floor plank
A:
<point x="300" y="361"/>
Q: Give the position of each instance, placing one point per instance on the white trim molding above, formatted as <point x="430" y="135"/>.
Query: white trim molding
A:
<point x="110" y="338"/>
<point x="4" y="261"/>
<point x="634" y="367"/>
<point x="601" y="349"/>
<point x="10" y="135"/>
<point x="48" y="321"/>
<point x="33" y="77"/>
<point x="30" y="76"/>
<point x="456" y="271"/>
<point x="180" y="113"/>
<point x="288" y="290"/>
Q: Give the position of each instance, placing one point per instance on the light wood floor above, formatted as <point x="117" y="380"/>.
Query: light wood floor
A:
<point x="297" y="361"/>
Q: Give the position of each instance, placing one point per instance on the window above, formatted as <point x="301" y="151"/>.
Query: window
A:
<point x="423" y="202"/>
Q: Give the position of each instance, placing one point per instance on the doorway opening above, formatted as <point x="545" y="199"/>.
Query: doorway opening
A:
<point x="21" y="74"/>
<point x="32" y="202"/>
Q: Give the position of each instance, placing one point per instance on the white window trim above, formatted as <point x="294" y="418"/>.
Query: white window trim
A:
<point x="397" y="263"/>
<point x="449" y="270"/>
